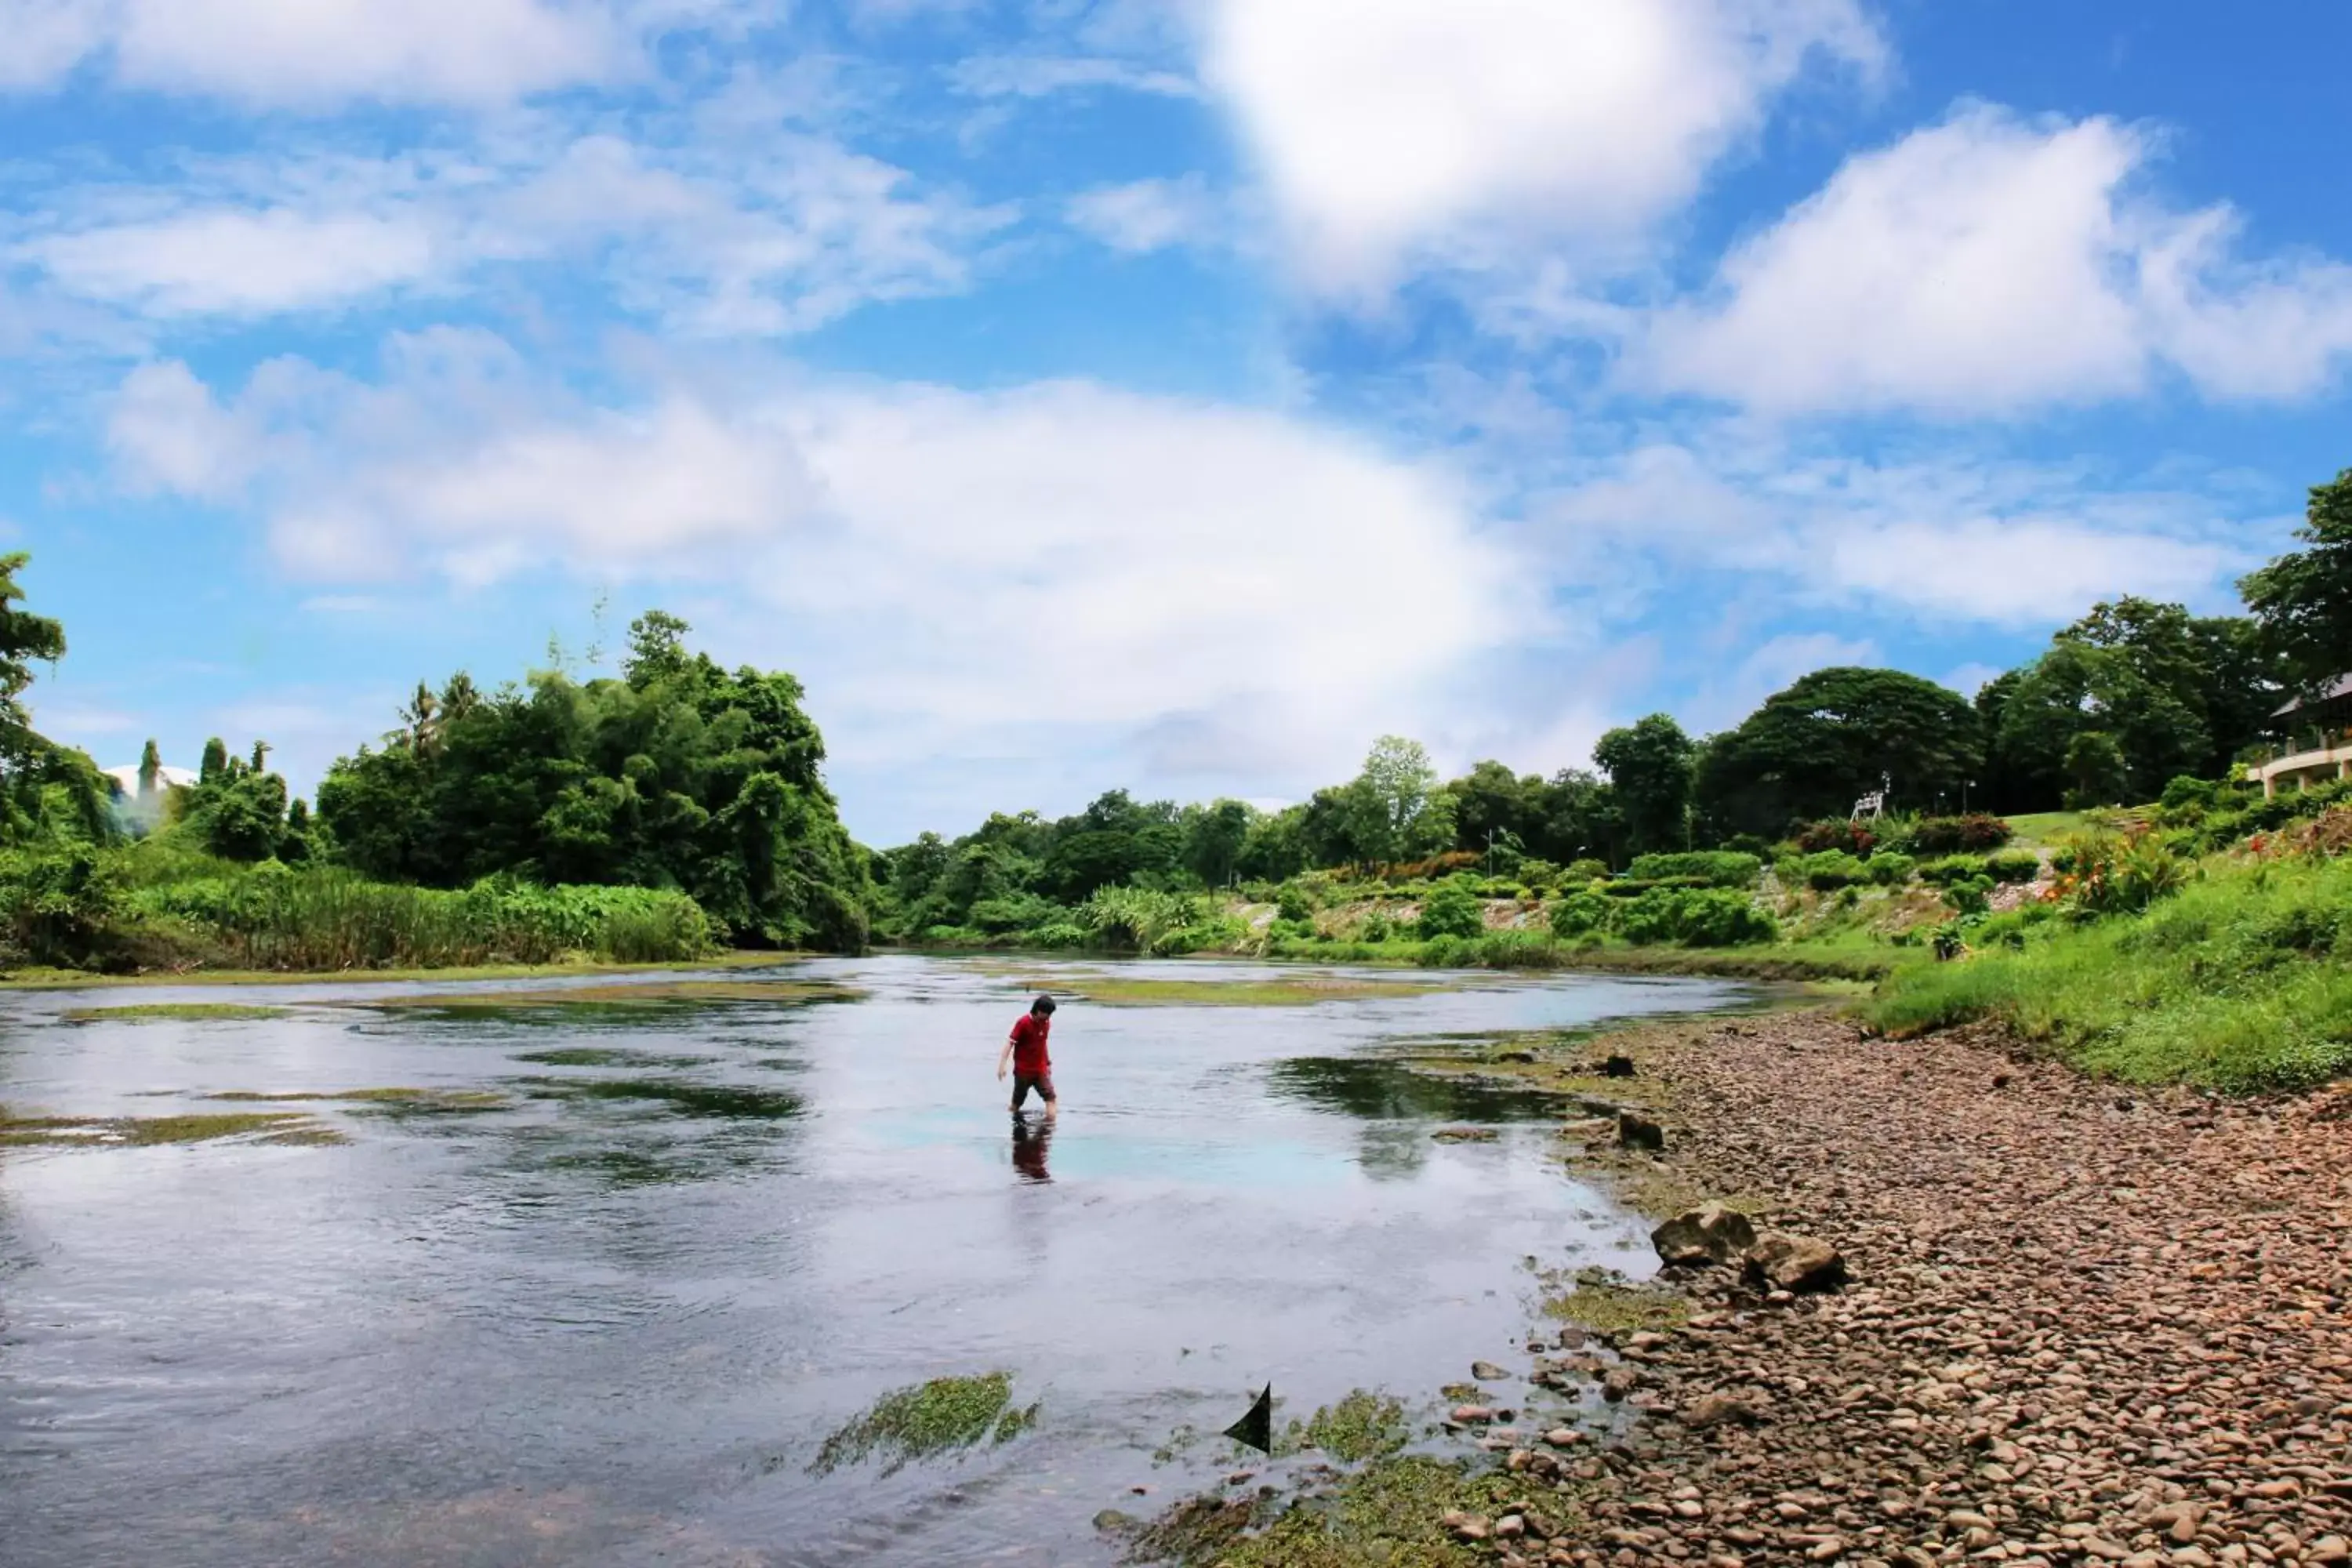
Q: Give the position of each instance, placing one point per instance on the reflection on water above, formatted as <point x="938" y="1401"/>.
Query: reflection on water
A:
<point x="1032" y="1138"/>
<point x="588" y="1284"/>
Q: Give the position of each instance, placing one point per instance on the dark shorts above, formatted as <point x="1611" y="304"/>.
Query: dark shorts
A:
<point x="1022" y="1082"/>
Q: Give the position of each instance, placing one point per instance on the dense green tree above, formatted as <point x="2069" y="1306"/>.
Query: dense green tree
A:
<point x="1650" y="764"/>
<point x="1395" y="809"/>
<point x="1577" y="817"/>
<point x="1275" y="847"/>
<point x="2217" y="667"/>
<point x="1490" y="799"/>
<point x="2303" y="600"/>
<point x="1214" y="837"/>
<point x="150" y="771"/>
<point x="679" y="774"/>
<point x="1816" y="747"/>
<point x="46" y="789"/>
<point x="2095" y="766"/>
<point x="2079" y="686"/>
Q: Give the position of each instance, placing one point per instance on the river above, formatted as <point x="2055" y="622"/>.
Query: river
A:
<point x="597" y="1287"/>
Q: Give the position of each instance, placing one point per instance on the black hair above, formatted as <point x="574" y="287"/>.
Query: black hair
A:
<point x="1043" y="1005"/>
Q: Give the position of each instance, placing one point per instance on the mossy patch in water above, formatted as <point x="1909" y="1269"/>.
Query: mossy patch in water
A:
<point x="403" y="1101"/>
<point x="944" y="1416"/>
<point x="1287" y="992"/>
<point x="1364" y="1426"/>
<point x="714" y="1099"/>
<point x="174" y="1012"/>
<point x="1392" y="1512"/>
<point x="653" y="994"/>
<point x="1609" y="1305"/>
<point x="126" y="1131"/>
<point x="609" y="1057"/>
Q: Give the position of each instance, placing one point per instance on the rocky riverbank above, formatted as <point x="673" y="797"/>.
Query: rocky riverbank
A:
<point x="2080" y="1324"/>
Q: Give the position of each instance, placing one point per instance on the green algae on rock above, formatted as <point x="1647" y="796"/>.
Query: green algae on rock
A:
<point x="941" y="1416"/>
<point x="174" y="1012"/>
<point x="128" y="1132"/>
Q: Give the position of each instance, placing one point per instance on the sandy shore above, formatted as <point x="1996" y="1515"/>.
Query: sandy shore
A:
<point x="2082" y="1323"/>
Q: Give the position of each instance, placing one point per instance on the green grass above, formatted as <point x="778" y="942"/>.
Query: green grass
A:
<point x="940" y="1416"/>
<point x="184" y="1012"/>
<point x="2241" y="982"/>
<point x="35" y="978"/>
<point x="2046" y="827"/>
<point x="677" y="993"/>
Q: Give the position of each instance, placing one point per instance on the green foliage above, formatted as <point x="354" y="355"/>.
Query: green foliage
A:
<point x="1650" y="765"/>
<point x="1693" y="916"/>
<point x="2013" y="866"/>
<point x="681" y="775"/>
<point x="1836" y="833"/>
<point x="1827" y="738"/>
<point x="1718" y="867"/>
<point x="2110" y="874"/>
<point x="1969" y="895"/>
<point x="2302" y="601"/>
<point x="1889" y="868"/>
<point x="1952" y="869"/>
<point x="1137" y="920"/>
<point x="1579" y="915"/>
<point x="2096" y="772"/>
<point x="2242" y="981"/>
<point x="1976" y="833"/>
<point x="1452" y="911"/>
<point x="1293" y="904"/>
<point x="1585" y="871"/>
<point x="1831" y="869"/>
<point x="940" y="1416"/>
<point x="61" y="906"/>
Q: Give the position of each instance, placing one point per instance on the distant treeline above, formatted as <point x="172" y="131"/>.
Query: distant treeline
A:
<point x="2131" y="696"/>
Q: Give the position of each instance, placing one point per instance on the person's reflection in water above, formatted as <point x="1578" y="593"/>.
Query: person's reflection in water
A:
<point x="1029" y="1140"/>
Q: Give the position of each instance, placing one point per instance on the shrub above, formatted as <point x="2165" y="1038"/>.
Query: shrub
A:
<point x="1831" y="870"/>
<point x="1952" y="869"/>
<point x="1890" y="870"/>
<point x="2186" y="793"/>
<point x="60" y="907"/>
<point x="1579" y="914"/>
<point x="1585" y="871"/>
<point x="1376" y="927"/>
<point x="1835" y="832"/>
<point x="1694" y="917"/>
<point x="1978" y="832"/>
<point x="1293" y="904"/>
<point x="2013" y="866"/>
<point x="1538" y="874"/>
<point x="2110" y="875"/>
<point x="1714" y="867"/>
<point x="1969" y="895"/>
<point x="1452" y="911"/>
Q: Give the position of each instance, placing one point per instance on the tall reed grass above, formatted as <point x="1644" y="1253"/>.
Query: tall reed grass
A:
<point x="271" y="917"/>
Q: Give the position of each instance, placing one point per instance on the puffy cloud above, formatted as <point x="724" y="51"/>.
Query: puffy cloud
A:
<point x="1388" y="131"/>
<point x="1186" y="580"/>
<point x="1989" y="265"/>
<point x="238" y="262"/>
<point x="1041" y="76"/>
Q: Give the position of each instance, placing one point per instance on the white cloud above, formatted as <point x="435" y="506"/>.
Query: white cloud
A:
<point x="318" y="53"/>
<point x="1184" y="580"/>
<point x="1952" y="537"/>
<point x="1150" y="215"/>
<point x="1989" y="265"/>
<point x="1391" y="131"/>
<point x="168" y="435"/>
<point x="231" y="262"/>
<point x="1041" y="76"/>
<point x="709" y="241"/>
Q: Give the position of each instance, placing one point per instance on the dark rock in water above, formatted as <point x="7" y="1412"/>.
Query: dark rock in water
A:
<point x="1487" y="1372"/>
<point x="1110" y="1521"/>
<point x="1618" y="1067"/>
<point x="1709" y="1233"/>
<point x="1639" y="1132"/>
<point x="1794" y="1263"/>
<point x="1525" y="1058"/>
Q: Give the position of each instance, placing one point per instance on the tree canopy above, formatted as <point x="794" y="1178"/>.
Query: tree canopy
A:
<point x="1650" y="765"/>
<point x="1815" y="748"/>
<point x="2303" y="600"/>
<point x="679" y="774"/>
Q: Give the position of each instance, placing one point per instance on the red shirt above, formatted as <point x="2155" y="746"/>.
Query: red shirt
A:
<point x="1029" y="1057"/>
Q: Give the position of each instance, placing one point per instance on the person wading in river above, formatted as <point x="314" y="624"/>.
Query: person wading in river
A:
<point x="1026" y="1051"/>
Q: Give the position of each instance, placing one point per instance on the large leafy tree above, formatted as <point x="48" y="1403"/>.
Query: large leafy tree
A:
<point x="2079" y="688"/>
<point x="1395" y="809"/>
<point x="2217" y="668"/>
<point x="1650" y="764"/>
<point x="1816" y="747"/>
<point x="1492" y="799"/>
<point x="45" y="788"/>
<point x="679" y="774"/>
<point x="2303" y="600"/>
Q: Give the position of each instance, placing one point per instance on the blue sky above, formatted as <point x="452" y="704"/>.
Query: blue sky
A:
<point x="1169" y="394"/>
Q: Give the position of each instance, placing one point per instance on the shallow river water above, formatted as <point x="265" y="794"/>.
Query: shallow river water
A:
<point x="603" y="1307"/>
